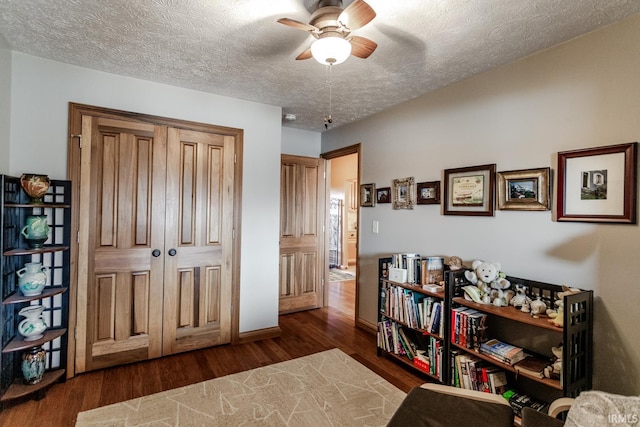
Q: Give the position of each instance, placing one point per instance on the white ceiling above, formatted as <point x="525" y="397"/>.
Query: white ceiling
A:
<point x="236" y="48"/>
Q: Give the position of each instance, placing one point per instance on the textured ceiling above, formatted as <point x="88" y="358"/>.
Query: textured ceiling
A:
<point x="236" y="48"/>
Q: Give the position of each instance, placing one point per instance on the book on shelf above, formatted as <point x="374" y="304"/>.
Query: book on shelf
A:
<point x="501" y="351"/>
<point x="434" y="319"/>
<point x="497" y="379"/>
<point x="532" y="365"/>
<point x="409" y="346"/>
<point x="518" y="401"/>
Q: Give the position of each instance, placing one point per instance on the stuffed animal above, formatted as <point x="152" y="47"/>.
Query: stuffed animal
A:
<point x="489" y="284"/>
<point x="556" y="315"/>
<point x="520" y="300"/>
<point x="555" y="369"/>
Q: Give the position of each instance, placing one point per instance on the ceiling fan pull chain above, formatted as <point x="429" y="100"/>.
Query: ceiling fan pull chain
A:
<point x="328" y="119"/>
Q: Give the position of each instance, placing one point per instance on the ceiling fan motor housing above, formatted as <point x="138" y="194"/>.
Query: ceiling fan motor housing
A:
<point x="326" y="19"/>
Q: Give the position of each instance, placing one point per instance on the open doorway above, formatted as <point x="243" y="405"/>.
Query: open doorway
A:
<point x="342" y="232"/>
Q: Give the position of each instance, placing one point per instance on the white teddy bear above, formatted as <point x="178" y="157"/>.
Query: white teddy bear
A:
<point x="489" y="284"/>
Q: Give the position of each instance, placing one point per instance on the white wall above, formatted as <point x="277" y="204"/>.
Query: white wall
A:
<point x="5" y="105"/>
<point x="42" y="90"/>
<point x="300" y="142"/>
<point x="584" y="93"/>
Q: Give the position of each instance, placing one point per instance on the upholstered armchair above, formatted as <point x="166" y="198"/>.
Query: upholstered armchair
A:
<point x="445" y="406"/>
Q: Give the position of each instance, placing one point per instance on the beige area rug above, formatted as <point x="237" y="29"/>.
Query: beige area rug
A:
<point x="323" y="389"/>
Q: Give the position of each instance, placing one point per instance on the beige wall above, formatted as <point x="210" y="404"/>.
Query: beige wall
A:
<point x="5" y="105"/>
<point x="584" y="93"/>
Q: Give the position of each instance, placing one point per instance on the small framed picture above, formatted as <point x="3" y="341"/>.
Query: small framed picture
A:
<point x="598" y="184"/>
<point x="403" y="193"/>
<point x="367" y="193"/>
<point x="383" y="195"/>
<point x="428" y="193"/>
<point x="469" y="190"/>
<point x="524" y="190"/>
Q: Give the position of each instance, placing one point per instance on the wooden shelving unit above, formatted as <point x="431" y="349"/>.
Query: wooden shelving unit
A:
<point x="504" y="323"/>
<point x="576" y="335"/>
<point x="14" y="208"/>
<point x="434" y="343"/>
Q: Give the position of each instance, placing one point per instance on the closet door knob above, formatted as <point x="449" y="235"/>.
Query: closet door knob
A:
<point x="156" y="253"/>
<point x="172" y="252"/>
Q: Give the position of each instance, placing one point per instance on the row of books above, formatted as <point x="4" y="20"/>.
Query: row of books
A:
<point x="430" y="360"/>
<point x="412" y="308"/>
<point x="468" y="327"/>
<point x="410" y="262"/>
<point x="472" y="373"/>
<point x="425" y="352"/>
<point x="392" y="338"/>
<point x="422" y="271"/>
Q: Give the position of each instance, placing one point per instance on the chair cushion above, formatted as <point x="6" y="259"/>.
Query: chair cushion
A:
<point x="422" y="408"/>
<point x="597" y="408"/>
<point x="533" y="418"/>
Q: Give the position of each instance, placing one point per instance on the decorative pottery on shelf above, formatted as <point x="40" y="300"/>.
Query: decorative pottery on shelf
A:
<point x="36" y="186"/>
<point x="33" y="365"/>
<point x="36" y="231"/>
<point x="32" y="328"/>
<point x="32" y="279"/>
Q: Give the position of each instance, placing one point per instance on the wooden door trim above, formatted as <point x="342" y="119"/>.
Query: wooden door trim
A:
<point x="344" y="151"/>
<point x="76" y="111"/>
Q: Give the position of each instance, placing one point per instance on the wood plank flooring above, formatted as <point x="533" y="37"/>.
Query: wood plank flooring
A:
<point x="302" y="334"/>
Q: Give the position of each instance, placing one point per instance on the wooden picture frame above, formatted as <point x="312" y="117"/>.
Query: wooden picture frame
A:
<point x="524" y="190"/>
<point x="383" y="195"/>
<point x="403" y="193"/>
<point x="428" y="193"/>
<point x="598" y="184"/>
<point x="367" y="195"/>
<point x="470" y="190"/>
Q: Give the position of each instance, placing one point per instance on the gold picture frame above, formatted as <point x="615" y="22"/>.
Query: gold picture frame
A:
<point x="403" y="196"/>
<point x="524" y="190"/>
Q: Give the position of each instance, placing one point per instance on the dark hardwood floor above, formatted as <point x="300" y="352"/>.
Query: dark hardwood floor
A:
<point x="302" y="334"/>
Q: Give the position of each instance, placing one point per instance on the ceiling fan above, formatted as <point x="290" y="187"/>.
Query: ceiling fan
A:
<point x="332" y="25"/>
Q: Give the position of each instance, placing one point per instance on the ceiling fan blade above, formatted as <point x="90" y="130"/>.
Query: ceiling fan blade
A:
<point x="305" y="54"/>
<point x="362" y="47"/>
<point x="356" y="15"/>
<point x="297" y="24"/>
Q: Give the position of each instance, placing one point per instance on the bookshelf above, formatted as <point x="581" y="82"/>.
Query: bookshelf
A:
<point x="412" y="326"/>
<point x="534" y="335"/>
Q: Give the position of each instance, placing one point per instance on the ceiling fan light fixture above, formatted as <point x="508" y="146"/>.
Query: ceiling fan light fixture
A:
<point x="331" y="50"/>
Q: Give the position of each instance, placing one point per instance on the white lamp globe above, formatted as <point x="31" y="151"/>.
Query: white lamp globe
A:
<point x="331" y="50"/>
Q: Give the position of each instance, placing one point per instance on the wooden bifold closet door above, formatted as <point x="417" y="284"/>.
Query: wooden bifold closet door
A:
<point x="155" y="240"/>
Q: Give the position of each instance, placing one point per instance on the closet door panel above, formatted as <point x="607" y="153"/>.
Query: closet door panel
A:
<point x="198" y="276"/>
<point x="120" y="285"/>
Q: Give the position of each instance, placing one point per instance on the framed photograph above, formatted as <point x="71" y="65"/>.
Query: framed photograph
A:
<point x="524" y="190"/>
<point x="403" y="193"/>
<point x="367" y="194"/>
<point x="383" y="195"/>
<point x="470" y="190"/>
<point x="598" y="184"/>
<point x="428" y="193"/>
